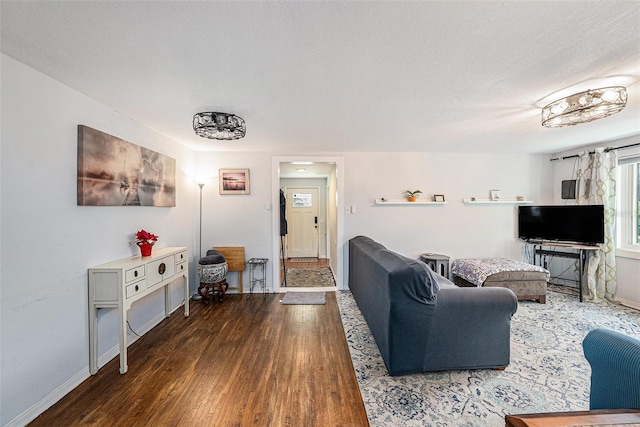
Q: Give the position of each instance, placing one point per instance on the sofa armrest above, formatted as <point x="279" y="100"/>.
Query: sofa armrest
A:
<point x="615" y="369"/>
<point x="471" y="329"/>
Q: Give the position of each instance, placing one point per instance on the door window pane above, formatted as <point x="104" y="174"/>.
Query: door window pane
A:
<point x="302" y="200"/>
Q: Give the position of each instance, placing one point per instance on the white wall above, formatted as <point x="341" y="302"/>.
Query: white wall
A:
<point x="238" y="220"/>
<point x="627" y="268"/>
<point x="48" y="242"/>
<point x="455" y="229"/>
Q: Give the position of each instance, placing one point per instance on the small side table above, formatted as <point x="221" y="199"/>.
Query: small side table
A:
<point x="437" y="262"/>
<point x="261" y="263"/>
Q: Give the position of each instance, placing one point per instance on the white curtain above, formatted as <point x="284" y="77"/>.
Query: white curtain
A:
<point x="597" y="186"/>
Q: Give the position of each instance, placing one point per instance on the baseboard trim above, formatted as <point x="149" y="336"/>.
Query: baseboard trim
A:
<point x="61" y="391"/>
<point x="629" y="303"/>
<point x="49" y="400"/>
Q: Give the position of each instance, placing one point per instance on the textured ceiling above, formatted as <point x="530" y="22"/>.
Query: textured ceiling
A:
<point x="312" y="76"/>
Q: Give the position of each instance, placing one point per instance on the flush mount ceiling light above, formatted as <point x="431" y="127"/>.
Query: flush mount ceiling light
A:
<point x="584" y="107"/>
<point x="219" y="126"/>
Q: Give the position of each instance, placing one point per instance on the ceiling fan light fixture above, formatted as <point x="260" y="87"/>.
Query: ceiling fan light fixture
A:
<point x="584" y="107"/>
<point x="222" y="126"/>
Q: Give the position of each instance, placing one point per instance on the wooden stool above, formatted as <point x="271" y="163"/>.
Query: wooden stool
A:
<point x="213" y="281"/>
<point x="209" y="290"/>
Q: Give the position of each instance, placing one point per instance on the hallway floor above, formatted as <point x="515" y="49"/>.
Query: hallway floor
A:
<point x="318" y="263"/>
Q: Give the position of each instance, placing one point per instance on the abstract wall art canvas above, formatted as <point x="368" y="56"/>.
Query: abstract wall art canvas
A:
<point x="115" y="172"/>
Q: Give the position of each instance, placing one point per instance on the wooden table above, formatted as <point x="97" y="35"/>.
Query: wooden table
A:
<point x="234" y="255"/>
<point x="602" y="417"/>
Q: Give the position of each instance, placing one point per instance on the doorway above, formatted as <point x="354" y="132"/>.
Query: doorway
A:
<point x="321" y="241"/>
<point x="303" y="220"/>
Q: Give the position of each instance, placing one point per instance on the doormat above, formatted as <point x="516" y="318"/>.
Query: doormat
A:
<point x="303" y="259"/>
<point x="309" y="277"/>
<point x="304" y="298"/>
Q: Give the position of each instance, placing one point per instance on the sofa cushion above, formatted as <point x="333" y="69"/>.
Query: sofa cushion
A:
<point x="416" y="278"/>
<point x="213" y="257"/>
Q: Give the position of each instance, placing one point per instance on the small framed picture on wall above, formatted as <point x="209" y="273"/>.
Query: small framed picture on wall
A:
<point x="495" y="195"/>
<point x="234" y="181"/>
<point x="438" y="197"/>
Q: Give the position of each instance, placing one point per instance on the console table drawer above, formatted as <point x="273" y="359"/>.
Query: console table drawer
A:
<point x="134" y="274"/>
<point x="135" y="288"/>
<point x="181" y="257"/>
<point x="181" y="267"/>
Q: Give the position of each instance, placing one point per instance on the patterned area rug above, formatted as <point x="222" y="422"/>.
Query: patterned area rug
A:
<point x="309" y="277"/>
<point x="548" y="371"/>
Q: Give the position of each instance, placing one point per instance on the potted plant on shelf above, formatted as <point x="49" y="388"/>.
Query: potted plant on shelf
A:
<point x="412" y="196"/>
<point x="145" y="241"/>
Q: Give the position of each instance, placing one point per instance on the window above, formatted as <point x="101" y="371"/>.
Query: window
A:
<point x="302" y="200"/>
<point x="628" y="204"/>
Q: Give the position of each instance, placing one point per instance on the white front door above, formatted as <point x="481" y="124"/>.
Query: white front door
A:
<point x="302" y="222"/>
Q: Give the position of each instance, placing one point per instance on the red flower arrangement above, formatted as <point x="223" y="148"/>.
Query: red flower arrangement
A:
<point x="144" y="238"/>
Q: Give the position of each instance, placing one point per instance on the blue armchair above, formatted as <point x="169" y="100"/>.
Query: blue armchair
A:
<point x="615" y="369"/>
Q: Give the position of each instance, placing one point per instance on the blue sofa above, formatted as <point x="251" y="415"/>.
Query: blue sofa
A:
<point x="421" y="321"/>
<point x="615" y="369"/>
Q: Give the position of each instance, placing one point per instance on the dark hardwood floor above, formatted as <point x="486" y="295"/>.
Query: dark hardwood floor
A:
<point x="237" y="363"/>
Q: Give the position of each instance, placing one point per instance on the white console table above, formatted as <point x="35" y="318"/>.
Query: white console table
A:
<point x="119" y="284"/>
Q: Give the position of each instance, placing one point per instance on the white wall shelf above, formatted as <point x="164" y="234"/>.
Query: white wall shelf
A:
<point x="405" y="202"/>
<point x="495" y="202"/>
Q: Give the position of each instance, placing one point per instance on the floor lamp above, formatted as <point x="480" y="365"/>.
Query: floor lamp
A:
<point x="197" y="296"/>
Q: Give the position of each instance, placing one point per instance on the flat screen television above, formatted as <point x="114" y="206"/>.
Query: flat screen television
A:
<point x="574" y="224"/>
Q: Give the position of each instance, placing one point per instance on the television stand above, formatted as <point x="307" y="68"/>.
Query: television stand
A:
<point x="579" y="252"/>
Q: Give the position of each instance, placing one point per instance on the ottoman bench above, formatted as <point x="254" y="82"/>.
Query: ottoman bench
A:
<point x="528" y="282"/>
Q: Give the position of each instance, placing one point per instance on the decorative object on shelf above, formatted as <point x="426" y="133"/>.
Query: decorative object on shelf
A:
<point x="234" y="181"/>
<point x="438" y="197"/>
<point x="412" y="196"/>
<point x="584" y="107"/>
<point x="495" y="195"/>
<point x="520" y="198"/>
<point x="223" y="126"/>
<point x="474" y="201"/>
<point x="145" y="241"/>
<point x="115" y="172"/>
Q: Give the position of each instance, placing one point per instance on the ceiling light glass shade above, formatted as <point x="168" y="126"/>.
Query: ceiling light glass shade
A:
<point x="584" y="107"/>
<point x="219" y="126"/>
